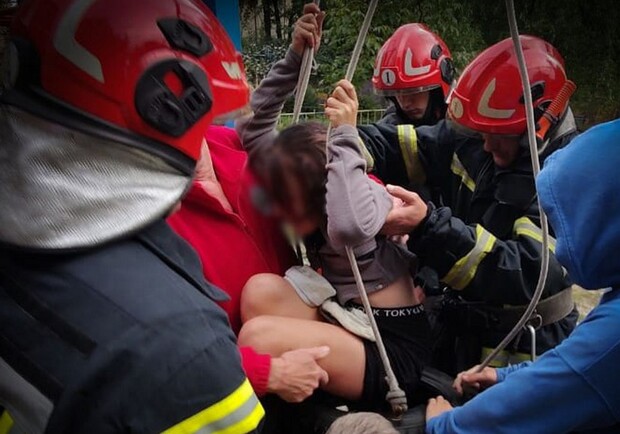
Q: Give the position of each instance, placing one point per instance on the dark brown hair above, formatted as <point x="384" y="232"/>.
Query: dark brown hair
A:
<point x="297" y="153"/>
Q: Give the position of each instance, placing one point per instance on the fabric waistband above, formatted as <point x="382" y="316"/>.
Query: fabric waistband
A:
<point x="391" y="312"/>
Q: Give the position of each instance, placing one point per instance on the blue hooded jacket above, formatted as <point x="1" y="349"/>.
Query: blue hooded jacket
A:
<point x="576" y="386"/>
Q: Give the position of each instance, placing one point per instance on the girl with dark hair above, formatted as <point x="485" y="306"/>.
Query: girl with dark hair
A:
<point x="328" y="199"/>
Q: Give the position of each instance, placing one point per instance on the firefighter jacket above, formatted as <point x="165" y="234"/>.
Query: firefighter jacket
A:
<point x="120" y="338"/>
<point x="574" y="388"/>
<point x="482" y="238"/>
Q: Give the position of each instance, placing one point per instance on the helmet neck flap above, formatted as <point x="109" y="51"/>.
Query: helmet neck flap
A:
<point x="62" y="189"/>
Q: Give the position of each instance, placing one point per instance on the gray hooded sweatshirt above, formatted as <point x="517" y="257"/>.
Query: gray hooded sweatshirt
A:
<point x="356" y="206"/>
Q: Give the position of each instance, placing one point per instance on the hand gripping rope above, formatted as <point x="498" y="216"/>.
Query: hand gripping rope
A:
<point x="396" y="396"/>
<point x="531" y="135"/>
<point x="304" y="78"/>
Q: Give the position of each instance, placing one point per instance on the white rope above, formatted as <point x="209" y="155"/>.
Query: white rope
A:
<point x="304" y="78"/>
<point x="395" y="396"/>
<point x="531" y="135"/>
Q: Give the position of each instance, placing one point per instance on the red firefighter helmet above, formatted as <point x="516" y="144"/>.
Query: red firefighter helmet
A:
<point x="154" y="72"/>
<point x="413" y="59"/>
<point x="488" y="97"/>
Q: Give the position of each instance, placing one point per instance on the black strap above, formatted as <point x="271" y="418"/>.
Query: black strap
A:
<point x="440" y="383"/>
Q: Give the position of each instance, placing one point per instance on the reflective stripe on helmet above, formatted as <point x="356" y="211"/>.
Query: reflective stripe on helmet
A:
<point x="494" y="113"/>
<point x="238" y="413"/>
<point x="464" y="270"/>
<point x="65" y="43"/>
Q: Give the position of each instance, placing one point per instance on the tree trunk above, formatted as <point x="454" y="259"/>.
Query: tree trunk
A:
<point x="277" y="17"/>
<point x="267" y="18"/>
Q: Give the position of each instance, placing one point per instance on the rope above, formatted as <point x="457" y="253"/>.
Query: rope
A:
<point x="304" y="78"/>
<point x="357" y="51"/>
<point x="395" y="396"/>
<point x="531" y="135"/>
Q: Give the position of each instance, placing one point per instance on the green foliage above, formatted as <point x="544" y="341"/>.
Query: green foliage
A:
<point x="450" y="18"/>
<point x="586" y="33"/>
<point x="259" y="57"/>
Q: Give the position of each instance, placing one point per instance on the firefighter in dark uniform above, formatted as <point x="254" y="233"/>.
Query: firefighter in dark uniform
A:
<point x="480" y="234"/>
<point x="415" y="72"/>
<point x="106" y="322"/>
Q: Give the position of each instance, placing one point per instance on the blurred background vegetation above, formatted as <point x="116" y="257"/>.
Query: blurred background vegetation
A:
<point x="586" y="33"/>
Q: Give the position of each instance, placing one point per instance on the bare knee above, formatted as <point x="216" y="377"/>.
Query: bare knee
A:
<point x="259" y="334"/>
<point x="261" y="294"/>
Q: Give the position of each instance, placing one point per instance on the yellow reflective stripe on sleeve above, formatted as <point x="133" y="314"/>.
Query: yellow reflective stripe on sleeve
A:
<point x="459" y="170"/>
<point x="370" y="162"/>
<point x="408" y="141"/>
<point x="463" y="271"/>
<point x="526" y="227"/>
<point x="6" y="423"/>
<point x="238" y="413"/>
<point x="504" y="358"/>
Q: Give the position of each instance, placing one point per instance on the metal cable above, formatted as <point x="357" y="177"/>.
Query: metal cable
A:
<point x="531" y="135"/>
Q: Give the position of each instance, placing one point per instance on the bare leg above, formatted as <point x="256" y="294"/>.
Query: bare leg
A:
<point x="345" y="364"/>
<point x="270" y="294"/>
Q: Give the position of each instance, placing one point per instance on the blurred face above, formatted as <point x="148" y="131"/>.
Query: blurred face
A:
<point x="505" y="149"/>
<point x="414" y="104"/>
<point x="303" y="221"/>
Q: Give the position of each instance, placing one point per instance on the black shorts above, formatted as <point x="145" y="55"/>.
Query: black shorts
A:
<point x="406" y="335"/>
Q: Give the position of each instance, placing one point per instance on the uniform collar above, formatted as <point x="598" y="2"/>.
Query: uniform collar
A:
<point x="161" y="240"/>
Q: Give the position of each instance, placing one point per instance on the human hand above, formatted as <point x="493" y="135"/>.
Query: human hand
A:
<point x="476" y="380"/>
<point x="296" y="374"/>
<point x="437" y="407"/>
<point x="403" y="219"/>
<point x="341" y="106"/>
<point x="308" y="29"/>
<point x="206" y="177"/>
<point x="398" y="239"/>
